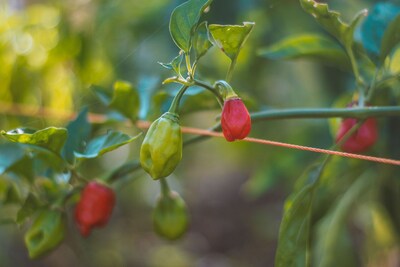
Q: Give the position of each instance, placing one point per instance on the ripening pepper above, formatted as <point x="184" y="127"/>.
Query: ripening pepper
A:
<point x="46" y="232"/>
<point x="161" y="149"/>
<point x="235" y="119"/>
<point x="170" y="216"/>
<point x="94" y="207"/>
<point x="360" y="140"/>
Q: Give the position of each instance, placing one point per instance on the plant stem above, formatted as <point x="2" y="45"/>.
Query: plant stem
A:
<point x="359" y="113"/>
<point x="354" y="67"/>
<point x="177" y="99"/>
<point x="164" y="187"/>
<point x="211" y="89"/>
<point x="188" y="65"/>
<point x="230" y="70"/>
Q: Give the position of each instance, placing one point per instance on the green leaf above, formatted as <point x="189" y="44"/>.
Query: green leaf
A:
<point x="328" y="19"/>
<point x="46" y="233"/>
<point x="78" y="133"/>
<point x="29" y="207"/>
<point x="331" y="238"/>
<point x="201" y="40"/>
<point x="230" y="38"/>
<point x="51" y="138"/>
<point x="390" y="39"/>
<point x="174" y="65"/>
<point x="106" y="143"/>
<point x="10" y="154"/>
<point x="125" y="100"/>
<point x="373" y="29"/>
<point x="310" y="46"/>
<point x="184" y="19"/>
<point x="294" y="232"/>
<point x="348" y="35"/>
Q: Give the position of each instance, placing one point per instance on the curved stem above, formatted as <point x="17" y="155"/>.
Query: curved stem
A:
<point x="211" y="89"/>
<point x="177" y="99"/>
<point x="359" y="113"/>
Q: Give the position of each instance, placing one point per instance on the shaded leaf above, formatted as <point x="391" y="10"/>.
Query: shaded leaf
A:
<point x="29" y="207"/>
<point x="10" y="154"/>
<point x="201" y="40"/>
<point x="230" y="38"/>
<point x="147" y="87"/>
<point x="125" y="100"/>
<point x="311" y="46"/>
<point x="51" y="138"/>
<point x="294" y="232"/>
<point x="78" y="133"/>
<point x="331" y="238"/>
<point x="391" y="38"/>
<point x="106" y="143"/>
<point x="184" y="19"/>
<point x="372" y="29"/>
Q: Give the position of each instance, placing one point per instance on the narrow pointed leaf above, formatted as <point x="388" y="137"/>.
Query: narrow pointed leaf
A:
<point x="184" y="20"/>
<point x="230" y="38"/>
<point x="174" y="65"/>
<point x="106" y="143"/>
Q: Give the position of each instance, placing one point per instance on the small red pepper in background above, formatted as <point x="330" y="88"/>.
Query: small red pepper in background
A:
<point x="94" y="207"/>
<point x="235" y="119"/>
<point x="362" y="139"/>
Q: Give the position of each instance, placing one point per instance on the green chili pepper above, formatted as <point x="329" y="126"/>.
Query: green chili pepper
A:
<point x="161" y="149"/>
<point x="170" y="217"/>
<point x="46" y="232"/>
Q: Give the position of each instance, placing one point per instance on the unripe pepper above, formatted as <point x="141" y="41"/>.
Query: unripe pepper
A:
<point x="94" y="207"/>
<point x="235" y="119"/>
<point x="161" y="149"/>
<point x="362" y="139"/>
<point x="46" y="232"/>
<point x="170" y="217"/>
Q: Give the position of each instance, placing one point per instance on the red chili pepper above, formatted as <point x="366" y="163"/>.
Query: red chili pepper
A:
<point x="94" y="207"/>
<point x="362" y="139"/>
<point x="235" y="119"/>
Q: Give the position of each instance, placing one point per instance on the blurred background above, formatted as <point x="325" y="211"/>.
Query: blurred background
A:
<point x="52" y="53"/>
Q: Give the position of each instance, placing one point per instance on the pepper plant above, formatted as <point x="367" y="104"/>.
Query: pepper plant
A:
<point x="42" y="170"/>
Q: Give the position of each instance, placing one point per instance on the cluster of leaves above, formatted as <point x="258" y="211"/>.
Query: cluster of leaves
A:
<point x="318" y="214"/>
<point x="41" y="169"/>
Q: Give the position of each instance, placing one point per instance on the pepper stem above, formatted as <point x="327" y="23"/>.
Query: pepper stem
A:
<point x="177" y="99"/>
<point x="164" y="187"/>
<point x="225" y="90"/>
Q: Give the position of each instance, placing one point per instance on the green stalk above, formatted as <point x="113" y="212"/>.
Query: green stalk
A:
<point x="164" y="187"/>
<point x="230" y="70"/>
<point x="177" y="99"/>
<point x="358" y="113"/>
<point x="211" y="89"/>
